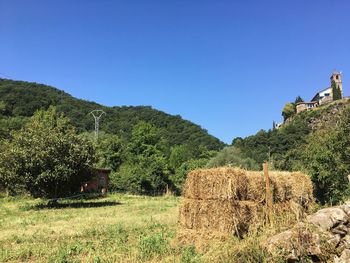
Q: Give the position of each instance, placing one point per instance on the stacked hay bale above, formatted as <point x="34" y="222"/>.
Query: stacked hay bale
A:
<point x="225" y="201"/>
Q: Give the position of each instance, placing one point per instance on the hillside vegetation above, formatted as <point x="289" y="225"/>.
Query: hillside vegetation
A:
<point x="148" y="151"/>
<point x="315" y="141"/>
<point x="19" y="100"/>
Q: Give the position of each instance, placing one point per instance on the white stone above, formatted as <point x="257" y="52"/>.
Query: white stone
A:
<point x="328" y="218"/>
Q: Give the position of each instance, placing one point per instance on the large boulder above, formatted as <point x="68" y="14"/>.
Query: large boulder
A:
<point x="324" y="235"/>
<point x="328" y="218"/>
<point x="344" y="257"/>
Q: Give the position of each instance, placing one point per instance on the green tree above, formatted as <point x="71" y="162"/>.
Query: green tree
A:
<point x="185" y="152"/>
<point x="336" y="91"/>
<point x="10" y="124"/>
<point x="46" y="157"/>
<point x="145" y="170"/>
<point x="298" y="99"/>
<point x="180" y="154"/>
<point x="326" y="157"/>
<point x="2" y="107"/>
<point x="232" y="156"/>
<point x="110" y="151"/>
<point x="288" y="111"/>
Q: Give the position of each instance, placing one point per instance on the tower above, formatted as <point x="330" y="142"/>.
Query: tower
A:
<point x="336" y="77"/>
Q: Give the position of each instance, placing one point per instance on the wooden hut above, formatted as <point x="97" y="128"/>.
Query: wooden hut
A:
<point x="99" y="183"/>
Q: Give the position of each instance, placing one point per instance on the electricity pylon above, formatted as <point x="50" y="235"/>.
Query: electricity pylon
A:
<point x="97" y="114"/>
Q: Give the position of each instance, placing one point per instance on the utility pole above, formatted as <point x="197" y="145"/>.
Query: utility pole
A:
<point x="97" y="114"/>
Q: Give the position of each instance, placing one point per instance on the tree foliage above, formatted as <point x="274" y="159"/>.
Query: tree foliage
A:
<point x="337" y="95"/>
<point x="326" y="157"/>
<point x="146" y="167"/>
<point x="144" y="147"/>
<point x="324" y="153"/>
<point x="298" y="100"/>
<point x="273" y="145"/>
<point x="232" y="156"/>
<point x="110" y="150"/>
<point x="288" y="111"/>
<point x="22" y="99"/>
<point x="46" y="157"/>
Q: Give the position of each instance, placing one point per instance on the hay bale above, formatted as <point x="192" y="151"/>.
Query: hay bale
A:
<point x="238" y="184"/>
<point x="228" y="216"/>
<point x="219" y="183"/>
<point x="285" y="186"/>
<point x="222" y="202"/>
<point x="256" y="190"/>
<point x="208" y="214"/>
<point x="295" y="187"/>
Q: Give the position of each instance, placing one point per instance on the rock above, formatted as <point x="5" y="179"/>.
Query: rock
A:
<point x="346" y="208"/>
<point x="340" y="230"/>
<point x="297" y="242"/>
<point x="281" y="240"/>
<point x="328" y="218"/>
<point x="346" y="242"/>
<point x="325" y="233"/>
<point x="344" y="257"/>
<point x="334" y="241"/>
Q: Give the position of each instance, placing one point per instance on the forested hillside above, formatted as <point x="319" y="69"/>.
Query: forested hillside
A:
<point x="147" y="150"/>
<point x="277" y="145"/>
<point x="316" y="142"/>
<point x="19" y="100"/>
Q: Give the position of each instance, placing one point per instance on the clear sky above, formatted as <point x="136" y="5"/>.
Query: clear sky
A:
<point x="229" y="66"/>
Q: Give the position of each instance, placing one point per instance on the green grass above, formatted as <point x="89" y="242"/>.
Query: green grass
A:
<point x="117" y="228"/>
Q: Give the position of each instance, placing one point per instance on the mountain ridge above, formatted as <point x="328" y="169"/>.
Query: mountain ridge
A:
<point x="21" y="99"/>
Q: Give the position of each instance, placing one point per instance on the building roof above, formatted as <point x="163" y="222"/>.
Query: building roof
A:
<point x="307" y="102"/>
<point x="316" y="97"/>
<point x="324" y="90"/>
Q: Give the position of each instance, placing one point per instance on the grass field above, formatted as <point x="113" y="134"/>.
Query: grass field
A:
<point x="117" y="228"/>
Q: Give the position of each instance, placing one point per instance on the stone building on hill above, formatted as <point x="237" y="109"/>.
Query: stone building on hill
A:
<point x="324" y="96"/>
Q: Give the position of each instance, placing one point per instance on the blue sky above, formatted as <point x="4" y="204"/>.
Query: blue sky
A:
<point x="229" y="66"/>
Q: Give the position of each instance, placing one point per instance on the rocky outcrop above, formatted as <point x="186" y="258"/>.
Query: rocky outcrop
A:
<point x="322" y="237"/>
<point x="323" y="116"/>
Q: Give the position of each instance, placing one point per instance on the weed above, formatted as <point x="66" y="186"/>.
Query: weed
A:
<point x="153" y="245"/>
<point x="190" y="255"/>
